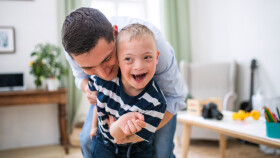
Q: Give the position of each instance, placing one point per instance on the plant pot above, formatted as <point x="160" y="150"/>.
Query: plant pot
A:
<point x="53" y="84"/>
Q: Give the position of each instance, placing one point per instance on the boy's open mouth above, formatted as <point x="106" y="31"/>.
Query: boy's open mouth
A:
<point x="139" y="77"/>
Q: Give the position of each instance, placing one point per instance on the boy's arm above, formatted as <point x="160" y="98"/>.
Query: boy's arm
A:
<point x="94" y="123"/>
<point x="126" y="125"/>
<point x="134" y="138"/>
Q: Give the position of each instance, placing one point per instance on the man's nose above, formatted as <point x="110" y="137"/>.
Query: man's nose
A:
<point x="103" y="72"/>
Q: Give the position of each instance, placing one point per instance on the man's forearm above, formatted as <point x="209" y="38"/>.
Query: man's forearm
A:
<point x="84" y="84"/>
<point x="166" y="118"/>
<point x="134" y="138"/>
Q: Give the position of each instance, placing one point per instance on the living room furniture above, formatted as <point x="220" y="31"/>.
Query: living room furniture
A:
<point x="249" y="129"/>
<point x="208" y="80"/>
<point x="21" y="98"/>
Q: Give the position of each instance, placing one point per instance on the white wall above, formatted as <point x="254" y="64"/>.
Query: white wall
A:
<point x="34" y="22"/>
<point x="223" y="30"/>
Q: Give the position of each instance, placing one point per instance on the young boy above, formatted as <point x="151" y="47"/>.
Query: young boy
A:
<point x="133" y="90"/>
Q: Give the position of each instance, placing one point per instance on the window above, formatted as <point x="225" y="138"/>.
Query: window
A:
<point x="148" y="10"/>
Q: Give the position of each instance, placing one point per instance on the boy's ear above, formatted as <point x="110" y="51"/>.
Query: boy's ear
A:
<point x="157" y="55"/>
<point x="115" y="30"/>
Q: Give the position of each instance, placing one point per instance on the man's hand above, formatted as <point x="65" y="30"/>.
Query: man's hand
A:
<point x="91" y="96"/>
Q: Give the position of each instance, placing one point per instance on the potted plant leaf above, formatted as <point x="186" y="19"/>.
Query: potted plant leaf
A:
<point x="46" y="65"/>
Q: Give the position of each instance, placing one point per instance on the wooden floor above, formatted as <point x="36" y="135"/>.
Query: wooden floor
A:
<point x="198" y="149"/>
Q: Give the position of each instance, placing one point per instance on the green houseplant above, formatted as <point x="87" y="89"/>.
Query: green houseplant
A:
<point x="46" y="63"/>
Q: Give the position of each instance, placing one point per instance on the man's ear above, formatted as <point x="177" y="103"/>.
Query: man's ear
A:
<point x="115" y="30"/>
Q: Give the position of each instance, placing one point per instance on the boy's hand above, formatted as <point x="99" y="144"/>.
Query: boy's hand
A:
<point x="133" y="126"/>
<point x="131" y="122"/>
<point x="110" y="121"/>
<point x="93" y="132"/>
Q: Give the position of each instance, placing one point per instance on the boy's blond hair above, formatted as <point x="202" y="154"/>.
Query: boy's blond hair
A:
<point x="134" y="31"/>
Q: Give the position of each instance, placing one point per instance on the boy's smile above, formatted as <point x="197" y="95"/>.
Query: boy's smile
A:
<point x="138" y="58"/>
<point x="139" y="77"/>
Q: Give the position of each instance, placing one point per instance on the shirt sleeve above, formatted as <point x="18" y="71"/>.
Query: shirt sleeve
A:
<point x="169" y="78"/>
<point x="78" y="73"/>
<point x="91" y="80"/>
<point x="153" y="115"/>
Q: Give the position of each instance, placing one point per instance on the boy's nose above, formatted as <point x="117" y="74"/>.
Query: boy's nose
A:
<point x="139" y="65"/>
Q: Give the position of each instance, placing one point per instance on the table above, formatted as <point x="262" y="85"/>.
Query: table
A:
<point x="28" y="97"/>
<point x="250" y="130"/>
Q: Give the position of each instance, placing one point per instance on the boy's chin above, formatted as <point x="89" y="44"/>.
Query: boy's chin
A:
<point x="139" y="85"/>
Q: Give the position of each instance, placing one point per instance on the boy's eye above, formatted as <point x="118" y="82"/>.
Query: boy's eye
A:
<point x="147" y="57"/>
<point x="127" y="59"/>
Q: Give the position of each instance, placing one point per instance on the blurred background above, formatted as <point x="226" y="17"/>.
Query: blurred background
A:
<point x="200" y="31"/>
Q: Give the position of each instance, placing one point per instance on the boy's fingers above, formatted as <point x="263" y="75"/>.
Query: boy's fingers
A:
<point x="126" y="130"/>
<point x="131" y="127"/>
<point x="138" y="128"/>
<point x="139" y="116"/>
<point x="141" y="123"/>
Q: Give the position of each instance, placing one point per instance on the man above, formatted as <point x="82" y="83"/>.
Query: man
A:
<point x="89" y="40"/>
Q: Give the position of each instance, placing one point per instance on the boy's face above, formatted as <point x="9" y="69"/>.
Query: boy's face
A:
<point x="137" y="60"/>
<point x="100" y="60"/>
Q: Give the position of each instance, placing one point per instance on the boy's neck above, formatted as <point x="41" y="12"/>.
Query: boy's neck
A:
<point x="130" y="90"/>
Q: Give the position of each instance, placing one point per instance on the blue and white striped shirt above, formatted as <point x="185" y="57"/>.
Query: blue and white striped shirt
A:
<point x="112" y="100"/>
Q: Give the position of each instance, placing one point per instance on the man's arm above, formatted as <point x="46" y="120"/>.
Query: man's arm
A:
<point x="91" y="95"/>
<point x="167" y="72"/>
<point x="134" y="138"/>
<point x="84" y="85"/>
<point x="81" y="79"/>
<point x="166" y="118"/>
<point x="78" y="73"/>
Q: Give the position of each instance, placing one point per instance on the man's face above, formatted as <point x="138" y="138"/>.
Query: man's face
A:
<point x="100" y="60"/>
<point x="137" y="60"/>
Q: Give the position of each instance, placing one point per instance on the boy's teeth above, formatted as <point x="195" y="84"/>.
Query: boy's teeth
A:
<point x="138" y="77"/>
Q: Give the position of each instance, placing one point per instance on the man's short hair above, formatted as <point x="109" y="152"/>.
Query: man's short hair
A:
<point x="83" y="28"/>
<point x="134" y="31"/>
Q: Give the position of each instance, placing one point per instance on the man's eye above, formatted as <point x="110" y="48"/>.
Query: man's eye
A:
<point x="107" y="59"/>
<point x="86" y="68"/>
